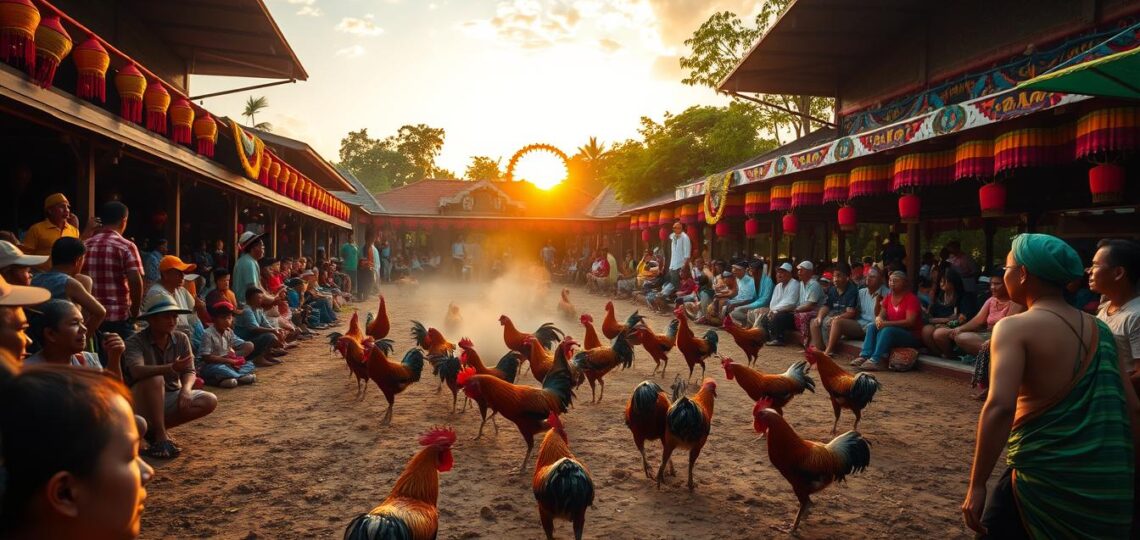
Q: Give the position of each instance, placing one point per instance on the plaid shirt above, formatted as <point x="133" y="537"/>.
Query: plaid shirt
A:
<point x="109" y="258"/>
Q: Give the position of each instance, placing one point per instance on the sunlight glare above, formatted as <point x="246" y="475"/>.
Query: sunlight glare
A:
<point x="543" y="169"/>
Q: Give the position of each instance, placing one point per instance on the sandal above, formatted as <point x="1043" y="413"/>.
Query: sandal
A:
<point x="163" y="450"/>
<point x="870" y="365"/>
<point x="858" y="361"/>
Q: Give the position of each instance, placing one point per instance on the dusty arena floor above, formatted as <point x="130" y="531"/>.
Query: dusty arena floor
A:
<point x="294" y="455"/>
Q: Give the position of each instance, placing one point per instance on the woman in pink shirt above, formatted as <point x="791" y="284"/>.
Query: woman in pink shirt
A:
<point x="973" y="334"/>
<point x="898" y="324"/>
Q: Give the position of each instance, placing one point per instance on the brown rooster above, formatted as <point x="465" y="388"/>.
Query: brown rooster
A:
<point x="379" y="327"/>
<point x="780" y="389"/>
<point x="645" y="417"/>
<point x="807" y="465"/>
<point x="392" y="378"/>
<point x="507" y="369"/>
<point x="750" y="340"/>
<point x="687" y="426"/>
<point x="565" y="308"/>
<point x="562" y="484"/>
<point x="431" y="341"/>
<point x="611" y="328"/>
<point x="595" y="363"/>
<point x="846" y="391"/>
<point x="658" y="346"/>
<point x="547" y="335"/>
<point x="410" y="511"/>
<point x="694" y="349"/>
<point x="527" y="407"/>
<point x="354" y="356"/>
<point x="590" y="338"/>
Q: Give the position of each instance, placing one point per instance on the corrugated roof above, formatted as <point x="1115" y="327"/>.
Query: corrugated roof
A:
<point x="605" y="205"/>
<point x="361" y="198"/>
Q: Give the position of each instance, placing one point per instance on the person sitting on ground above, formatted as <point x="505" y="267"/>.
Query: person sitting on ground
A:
<point x="811" y="296"/>
<point x="226" y="360"/>
<point x="319" y="301"/>
<point x="745" y="290"/>
<point x="65" y="282"/>
<point x="841" y="301"/>
<point x="173" y="274"/>
<point x="1061" y="409"/>
<point x="59" y="329"/>
<point x="781" y="312"/>
<point x="15" y="266"/>
<point x="1115" y="273"/>
<point x="302" y="315"/>
<point x="158" y="366"/>
<point x="749" y="313"/>
<point x="271" y="277"/>
<point x="70" y="447"/>
<point x="945" y="311"/>
<point x="972" y="336"/>
<point x="701" y="300"/>
<point x="898" y="324"/>
<point x="252" y="325"/>
<point x="726" y="289"/>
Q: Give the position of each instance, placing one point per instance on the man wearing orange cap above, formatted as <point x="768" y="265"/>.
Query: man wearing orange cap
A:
<point x="60" y="222"/>
<point x="170" y="287"/>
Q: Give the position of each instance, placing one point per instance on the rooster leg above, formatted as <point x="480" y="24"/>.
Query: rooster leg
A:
<point x="439" y="388"/>
<point x="664" y="366"/>
<point x="454" y="403"/>
<point x="494" y="424"/>
<point x="547" y="522"/>
<point x="835" y="408"/>
<point x="672" y="471"/>
<point x="702" y="370"/>
<point x="666" y="454"/>
<point x="603" y="392"/>
<point x="858" y="416"/>
<point x="579" y="523"/>
<point x="692" y="461"/>
<point x="593" y="392"/>
<point x="805" y="505"/>
<point x="526" y="457"/>
<point x="644" y="462"/>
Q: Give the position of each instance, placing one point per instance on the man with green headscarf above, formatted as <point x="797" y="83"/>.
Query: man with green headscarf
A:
<point x="1060" y="400"/>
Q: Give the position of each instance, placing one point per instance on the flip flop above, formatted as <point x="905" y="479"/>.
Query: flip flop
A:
<point x="858" y="361"/>
<point x="162" y="450"/>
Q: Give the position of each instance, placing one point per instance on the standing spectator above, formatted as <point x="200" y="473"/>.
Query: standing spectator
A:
<point x="374" y="268"/>
<point x="781" y="313"/>
<point x="898" y="324"/>
<point x="173" y="274"/>
<point x="226" y="359"/>
<point x="458" y="256"/>
<point x="967" y="269"/>
<point x="842" y="301"/>
<point x="158" y="366"/>
<point x="116" y="271"/>
<point x="350" y="256"/>
<point x="547" y="254"/>
<point x="221" y="257"/>
<point x="66" y="283"/>
<point x="894" y="254"/>
<point x="17" y="267"/>
<point x="13" y="322"/>
<point x="247" y="272"/>
<point x="680" y="251"/>
<point x="386" y="262"/>
<point x="1115" y="272"/>
<point x="151" y="259"/>
<point x="205" y="262"/>
<point x="59" y="223"/>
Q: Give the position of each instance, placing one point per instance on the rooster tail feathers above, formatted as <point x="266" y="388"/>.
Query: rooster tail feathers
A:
<point x="644" y="399"/>
<point x="548" y="335"/>
<point x="712" y="338"/>
<point x="798" y="372"/>
<point x="686" y="421"/>
<point x="559" y="382"/>
<point x="634" y="319"/>
<point x="386" y="345"/>
<point x="509" y="365"/>
<point x="674" y="325"/>
<point x="566" y="489"/>
<point x="414" y="361"/>
<point x="864" y="388"/>
<point x="853" y="450"/>
<point x="368" y="319"/>
<point x="419" y="333"/>
<point x="334" y="337"/>
<point x="447" y="367"/>
<point x="371" y="527"/>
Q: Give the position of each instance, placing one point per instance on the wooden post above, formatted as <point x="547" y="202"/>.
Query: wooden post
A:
<point x="273" y="230"/>
<point x="774" y="245"/>
<point x="912" y="255"/>
<point x="841" y="244"/>
<point x="826" y="241"/>
<point x="87" y="181"/>
<point x="177" y="215"/>
<point x="300" y="238"/>
<point x="989" y="228"/>
<point x="235" y="201"/>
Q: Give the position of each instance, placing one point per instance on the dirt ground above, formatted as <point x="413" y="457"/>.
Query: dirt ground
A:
<point x="295" y="456"/>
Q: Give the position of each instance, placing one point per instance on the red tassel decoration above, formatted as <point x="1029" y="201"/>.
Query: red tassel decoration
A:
<point x="157" y="102"/>
<point x="53" y="44"/>
<point x="92" y="61"/>
<point x="182" y="121"/>
<point x="18" y="22"/>
<point x="206" y="133"/>
<point x="131" y="85"/>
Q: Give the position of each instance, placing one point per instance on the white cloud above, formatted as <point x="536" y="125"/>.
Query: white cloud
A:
<point x="354" y="51"/>
<point x="309" y="11"/>
<point x="359" y="27"/>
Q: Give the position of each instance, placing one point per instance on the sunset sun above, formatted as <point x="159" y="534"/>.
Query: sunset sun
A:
<point x="542" y="169"/>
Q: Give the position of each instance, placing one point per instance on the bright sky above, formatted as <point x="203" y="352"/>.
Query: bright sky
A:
<point x="496" y="75"/>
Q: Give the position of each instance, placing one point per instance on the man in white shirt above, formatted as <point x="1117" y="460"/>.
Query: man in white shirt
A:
<point x="680" y="250"/>
<point x="785" y="298"/>
<point x="1114" y="273"/>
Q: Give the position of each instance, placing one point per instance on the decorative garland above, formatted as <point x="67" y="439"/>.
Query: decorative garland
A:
<point x="250" y="150"/>
<point x="716" y="196"/>
<point x="541" y="147"/>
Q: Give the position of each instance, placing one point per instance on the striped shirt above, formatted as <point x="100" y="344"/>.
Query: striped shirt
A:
<point x="109" y="258"/>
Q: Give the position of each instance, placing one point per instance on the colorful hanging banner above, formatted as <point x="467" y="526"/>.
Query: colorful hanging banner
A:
<point x="835" y="187"/>
<point x="807" y="193"/>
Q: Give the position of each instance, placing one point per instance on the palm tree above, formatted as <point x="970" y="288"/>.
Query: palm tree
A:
<point x="254" y="106"/>
<point x="593" y="152"/>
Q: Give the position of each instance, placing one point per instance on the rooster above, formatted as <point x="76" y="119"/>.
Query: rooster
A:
<point x="808" y="466"/>
<point x="379" y="327"/>
<point x="687" y="426"/>
<point x="750" y="340"/>
<point x="410" y="510"/>
<point x="447" y="368"/>
<point x="507" y="369"/>
<point x="392" y="378"/>
<point x="645" y="417"/>
<point x="658" y="346"/>
<point x="431" y="341"/>
<point x="780" y="389"/>
<point x="611" y="328"/>
<point x="562" y="484"/>
<point x="547" y="335"/>
<point x="846" y="391"/>
<point x="590" y="339"/>
<point x="452" y="321"/>
<point x="694" y="349"/>
<point x="354" y="355"/>
<point x="541" y="361"/>
<point x="595" y="363"/>
<point x="527" y="407"/>
<point x="354" y="330"/>
<point x="565" y="308"/>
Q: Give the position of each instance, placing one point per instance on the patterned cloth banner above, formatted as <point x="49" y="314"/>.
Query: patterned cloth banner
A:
<point x="835" y="187"/>
<point x="807" y="193"/>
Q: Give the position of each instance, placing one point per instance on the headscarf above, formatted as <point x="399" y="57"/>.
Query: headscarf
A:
<point x="1048" y="258"/>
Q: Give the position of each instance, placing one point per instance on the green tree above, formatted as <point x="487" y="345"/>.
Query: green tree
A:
<point x="585" y="166"/>
<point x="483" y="168"/>
<point x="382" y="164"/>
<point x="421" y="144"/>
<point x="254" y="106"/>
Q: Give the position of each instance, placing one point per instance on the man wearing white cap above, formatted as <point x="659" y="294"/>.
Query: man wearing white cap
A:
<point x="13" y="323"/>
<point x="60" y="222"/>
<point x="811" y="295"/>
<point x="15" y="266"/>
<point x="172" y="276"/>
<point x="781" y="312"/>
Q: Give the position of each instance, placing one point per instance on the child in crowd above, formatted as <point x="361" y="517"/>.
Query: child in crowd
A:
<point x="222" y="355"/>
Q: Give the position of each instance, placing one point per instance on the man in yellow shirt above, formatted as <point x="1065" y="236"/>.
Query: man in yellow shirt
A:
<point x="60" y="222"/>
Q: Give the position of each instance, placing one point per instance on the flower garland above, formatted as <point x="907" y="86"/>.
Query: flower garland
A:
<point x="250" y="150"/>
<point x="714" y="213"/>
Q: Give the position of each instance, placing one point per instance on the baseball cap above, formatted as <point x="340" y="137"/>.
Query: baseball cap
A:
<point x="787" y="267"/>
<point x="54" y="199"/>
<point x="172" y="262"/>
<point x="826" y="277"/>
<point x="221" y="308"/>
<point x="806" y="265"/>
<point x="19" y="295"/>
<point x="10" y="255"/>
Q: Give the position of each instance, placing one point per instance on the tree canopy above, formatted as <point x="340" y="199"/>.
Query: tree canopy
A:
<point x="483" y="168"/>
<point x="397" y="160"/>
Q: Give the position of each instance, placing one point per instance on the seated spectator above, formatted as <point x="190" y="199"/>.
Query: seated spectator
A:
<point x="971" y="336"/>
<point x="870" y="298"/>
<point x="749" y="313"/>
<point x="271" y="278"/>
<point x="320" y="301"/>
<point x="302" y="316"/>
<point x="841" y="301"/>
<point x="781" y="312"/>
<point x="727" y="289"/>
<point x="152" y="258"/>
<point x="173" y="274"/>
<point x="59" y="329"/>
<point x="70" y="460"/>
<point x="599" y="272"/>
<point x="252" y="325"/>
<point x="15" y="267"/>
<point x="158" y="366"/>
<point x="221" y="291"/>
<point x="13" y="322"/>
<point x="898" y="324"/>
<point x="811" y="296"/>
<point x="945" y="311"/>
<point x="699" y="301"/>
<point x="745" y="289"/>
<point x="226" y="359"/>
<point x="65" y="282"/>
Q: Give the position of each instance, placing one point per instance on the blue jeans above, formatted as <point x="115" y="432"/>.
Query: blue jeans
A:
<point x="215" y="373"/>
<point x="878" y="343"/>
<point x="261" y="342"/>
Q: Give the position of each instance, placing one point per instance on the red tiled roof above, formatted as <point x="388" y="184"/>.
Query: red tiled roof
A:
<point x="422" y="198"/>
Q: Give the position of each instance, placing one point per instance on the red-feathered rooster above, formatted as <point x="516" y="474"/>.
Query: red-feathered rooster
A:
<point x="392" y="378"/>
<point x="694" y="349"/>
<point x="565" y="308"/>
<point x="562" y="484"/>
<point x="750" y="340"/>
<point x="846" y="391"/>
<point x="595" y="363"/>
<point x="780" y="389"/>
<point x="410" y="511"/>
<point x="354" y="356"/>
<point x="379" y="327"/>
<point x="658" y="346"/>
<point x="687" y="426"/>
<point x="547" y="335"/>
<point x="507" y="369"/>
<point x="807" y="465"/>
<point x="527" y="407"/>
<point x="431" y="341"/>
<point x="590" y="338"/>
<point x="541" y="361"/>
<point x="611" y="328"/>
<point x="645" y="417"/>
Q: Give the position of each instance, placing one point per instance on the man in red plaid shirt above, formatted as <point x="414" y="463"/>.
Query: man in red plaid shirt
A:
<point x="115" y="267"/>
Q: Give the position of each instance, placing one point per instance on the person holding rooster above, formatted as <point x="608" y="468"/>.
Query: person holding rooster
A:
<point x="1060" y="398"/>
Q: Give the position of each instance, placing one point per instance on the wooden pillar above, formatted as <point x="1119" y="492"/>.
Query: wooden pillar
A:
<point x="177" y="240"/>
<point x="827" y="241"/>
<point x="774" y="245"/>
<point x="988" y="228"/>
<point x="300" y="238"/>
<point x="87" y="183"/>
<point x="273" y="230"/>
<point x="913" y="257"/>
<point x="841" y="244"/>
<point x="235" y="201"/>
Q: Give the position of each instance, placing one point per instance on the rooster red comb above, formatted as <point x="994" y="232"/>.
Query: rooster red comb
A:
<point x="441" y="436"/>
<point x="466" y="343"/>
<point x="761" y="404"/>
<point x="556" y="425"/>
<point x="465" y="375"/>
<point x="586" y="318"/>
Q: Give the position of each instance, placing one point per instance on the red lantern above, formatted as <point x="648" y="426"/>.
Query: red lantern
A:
<point x="1106" y="182"/>
<point x="91" y="61"/>
<point x="182" y="118"/>
<point x="752" y="227"/>
<point x="847" y="218"/>
<point x="910" y="206"/>
<point x="18" y="22"/>
<point x="156" y="100"/>
<point x="791" y="224"/>
<point x="722" y="229"/>
<point x="131" y="85"/>
<point x="53" y="44"/>
<point x="645" y="235"/>
<point x="663" y="233"/>
<point x="991" y="198"/>
<point x="206" y="133"/>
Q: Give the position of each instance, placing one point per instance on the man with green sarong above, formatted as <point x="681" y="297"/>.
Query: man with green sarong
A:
<point x="1060" y="399"/>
